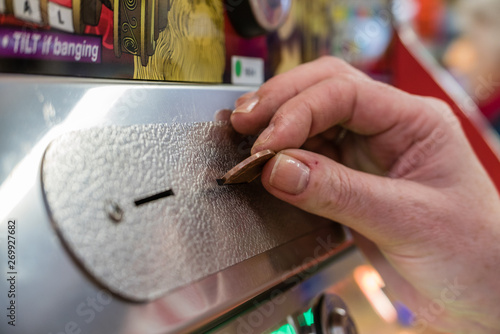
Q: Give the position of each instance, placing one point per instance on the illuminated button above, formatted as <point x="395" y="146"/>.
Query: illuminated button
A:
<point x="307" y="318"/>
<point x="285" y="329"/>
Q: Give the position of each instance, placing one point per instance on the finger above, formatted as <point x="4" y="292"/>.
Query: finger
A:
<point x="243" y="98"/>
<point x="334" y="134"/>
<point x="222" y="115"/>
<point x="359" y="200"/>
<point x="360" y="105"/>
<point x="254" y="111"/>
<point x="320" y="145"/>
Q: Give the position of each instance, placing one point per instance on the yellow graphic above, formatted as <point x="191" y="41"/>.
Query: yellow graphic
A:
<point x="191" y="47"/>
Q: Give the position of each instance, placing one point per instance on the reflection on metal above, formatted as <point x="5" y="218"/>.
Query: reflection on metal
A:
<point x="114" y="211"/>
<point x="371" y="284"/>
<point x="333" y="316"/>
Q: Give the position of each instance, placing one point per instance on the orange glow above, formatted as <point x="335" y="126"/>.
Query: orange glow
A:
<point x="371" y="284"/>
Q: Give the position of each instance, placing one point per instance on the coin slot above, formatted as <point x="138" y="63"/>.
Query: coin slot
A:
<point x="155" y="197"/>
<point x="222" y="183"/>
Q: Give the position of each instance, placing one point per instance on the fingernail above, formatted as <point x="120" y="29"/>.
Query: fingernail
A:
<point x="248" y="105"/>
<point x="243" y="98"/>
<point x="264" y="136"/>
<point x="289" y="175"/>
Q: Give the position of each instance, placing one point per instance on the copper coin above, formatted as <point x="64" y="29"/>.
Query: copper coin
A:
<point x="247" y="170"/>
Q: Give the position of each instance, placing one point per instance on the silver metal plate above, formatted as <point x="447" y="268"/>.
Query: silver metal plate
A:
<point x="168" y="243"/>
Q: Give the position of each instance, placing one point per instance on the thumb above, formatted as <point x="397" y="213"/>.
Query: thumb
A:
<point x="380" y="208"/>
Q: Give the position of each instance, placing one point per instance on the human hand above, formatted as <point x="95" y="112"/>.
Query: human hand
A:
<point x="404" y="178"/>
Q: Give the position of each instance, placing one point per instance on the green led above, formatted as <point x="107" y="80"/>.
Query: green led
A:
<point x="238" y="68"/>
<point x="285" y="329"/>
<point x="309" y="317"/>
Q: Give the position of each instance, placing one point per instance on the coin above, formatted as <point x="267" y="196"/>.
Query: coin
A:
<point x="247" y="170"/>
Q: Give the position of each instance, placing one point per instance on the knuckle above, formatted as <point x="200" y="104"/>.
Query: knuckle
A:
<point x="336" y="194"/>
<point x="278" y="86"/>
<point x="333" y="61"/>
<point x="343" y="91"/>
<point x="334" y="65"/>
<point x="348" y="81"/>
<point x="441" y="109"/>
<point x="306" y="103"/>
<point x="438" y="104"/>
<point x="281" y="119"/>
<point x="337" y="66"/>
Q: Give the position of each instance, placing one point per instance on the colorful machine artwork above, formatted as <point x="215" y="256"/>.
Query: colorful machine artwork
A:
<point x="166" y="40"/>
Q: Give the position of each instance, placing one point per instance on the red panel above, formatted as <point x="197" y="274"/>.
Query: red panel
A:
<point x="64" y="3"/>
<point x="411" y="76"/>
<point x="491" y="107"/>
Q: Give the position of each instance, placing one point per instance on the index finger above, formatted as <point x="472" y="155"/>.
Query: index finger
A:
<point x="361" y="105"/>
<point x="275" y="92"/>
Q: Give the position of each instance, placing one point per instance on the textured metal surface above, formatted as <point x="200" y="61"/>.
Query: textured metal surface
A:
<point x="54" y="292"/>
<point x="168" y="243"/>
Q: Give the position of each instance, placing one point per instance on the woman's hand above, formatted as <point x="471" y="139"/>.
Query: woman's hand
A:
<point x="398" y="170"/>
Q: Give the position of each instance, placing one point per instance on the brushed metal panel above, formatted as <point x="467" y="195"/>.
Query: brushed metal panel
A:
<point x="169" y="243"/>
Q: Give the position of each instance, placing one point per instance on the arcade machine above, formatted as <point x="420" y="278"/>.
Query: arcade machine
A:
<point x="111" y="219"/>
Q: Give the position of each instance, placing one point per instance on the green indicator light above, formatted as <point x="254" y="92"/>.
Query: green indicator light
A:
<point x="285" y="329"/>
<point x="238" y="68"/>
<point x="309" y="317"/>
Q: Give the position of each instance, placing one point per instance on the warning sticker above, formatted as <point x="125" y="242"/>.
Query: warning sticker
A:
<point x="17" y="43"/>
